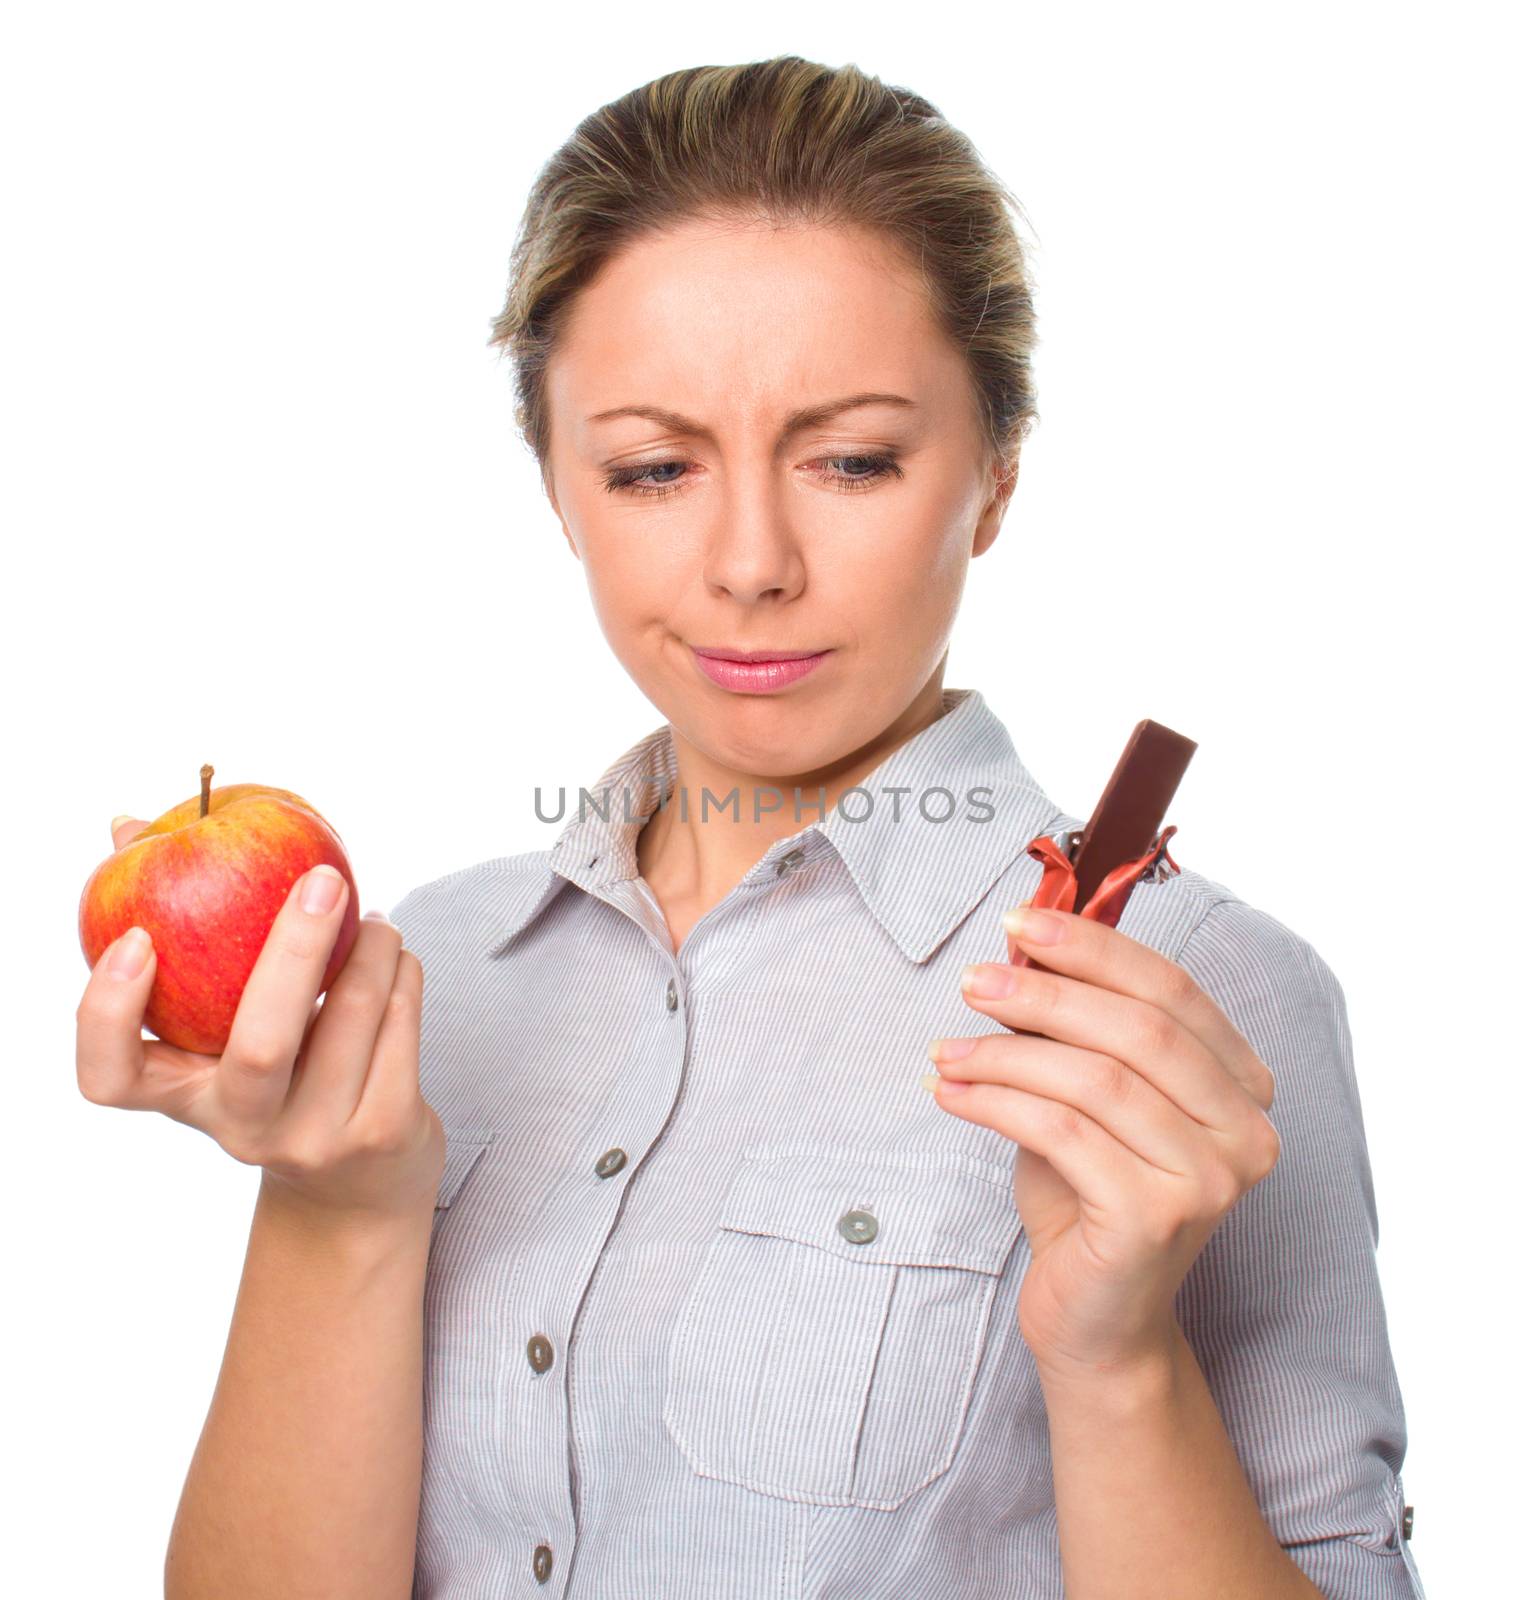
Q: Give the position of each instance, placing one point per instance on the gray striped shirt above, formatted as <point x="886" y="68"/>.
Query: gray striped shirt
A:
<point x="720" y="1303"/>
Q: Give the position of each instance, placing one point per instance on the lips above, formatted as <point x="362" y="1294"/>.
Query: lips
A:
<point x="757" y="671"/>
<point x="723" y="653"/>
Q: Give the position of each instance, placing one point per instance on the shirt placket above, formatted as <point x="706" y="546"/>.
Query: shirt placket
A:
<point x="550" y="1277"/>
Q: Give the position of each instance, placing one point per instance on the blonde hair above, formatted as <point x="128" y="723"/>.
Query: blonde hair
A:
<point x="791" y="141"/>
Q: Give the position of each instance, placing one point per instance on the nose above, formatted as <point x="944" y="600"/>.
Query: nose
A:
<point x="753" y="552"/>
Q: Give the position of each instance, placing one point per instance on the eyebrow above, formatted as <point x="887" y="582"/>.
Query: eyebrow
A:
<point x="797" y="421"/>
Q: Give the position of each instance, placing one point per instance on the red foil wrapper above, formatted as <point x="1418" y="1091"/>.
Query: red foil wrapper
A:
<point x="1058" y="884"/>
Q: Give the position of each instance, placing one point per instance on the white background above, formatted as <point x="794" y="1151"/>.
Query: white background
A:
<point x="266" y="509"/>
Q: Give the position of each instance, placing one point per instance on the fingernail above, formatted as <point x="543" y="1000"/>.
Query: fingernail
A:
<point x="933" y="1081"/>
<point x="321" y="890"/>
<point x="950" y="1049"/>
<point x="130" y="954"/>
<point x="116" y="822"/>
<point x="1032" y="927"/>
<point x="377" y="916"/>
<point x="988" y="981"/>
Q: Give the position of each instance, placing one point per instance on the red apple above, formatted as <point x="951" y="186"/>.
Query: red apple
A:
<point x="206" y="881"/>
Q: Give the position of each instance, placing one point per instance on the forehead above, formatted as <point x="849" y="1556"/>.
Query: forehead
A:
<point x="718" y="314"/>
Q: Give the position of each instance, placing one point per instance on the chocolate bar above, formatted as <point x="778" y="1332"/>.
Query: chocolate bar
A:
<point x="1123" y="841"/>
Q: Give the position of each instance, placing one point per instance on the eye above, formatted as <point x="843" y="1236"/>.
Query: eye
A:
<point x="864" y="471"/>
<point x="882" y="465"/>
<point x="630" y="477"/>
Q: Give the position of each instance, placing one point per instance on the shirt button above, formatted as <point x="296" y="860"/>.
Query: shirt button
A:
<point x="670" y="995"/>
<point x="793" y="858"/>
<point x="860" y="1227"/>
<point x="1407" y="1522"/>
<point x="541" y="1353"/>
<point x="609" y="1162"/>
<point x="543" y="1563"/>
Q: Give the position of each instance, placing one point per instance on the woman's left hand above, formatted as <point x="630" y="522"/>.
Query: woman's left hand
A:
<point x="1140" y="1113"/>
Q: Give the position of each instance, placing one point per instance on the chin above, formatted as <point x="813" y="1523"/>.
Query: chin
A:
<point x="777" y="737"/>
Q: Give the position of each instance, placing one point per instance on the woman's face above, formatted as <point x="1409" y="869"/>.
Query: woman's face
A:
<point x="718" y="525"/>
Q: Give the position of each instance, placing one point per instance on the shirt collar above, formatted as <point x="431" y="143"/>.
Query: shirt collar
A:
<point x="919" y="875"/>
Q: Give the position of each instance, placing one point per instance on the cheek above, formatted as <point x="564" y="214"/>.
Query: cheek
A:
<point x="620" y="586"/>
<point x="934" y="525"/>
<point x="914" y="580"/>
<point x="636" y="584"/>
<point x="945" y="560"/>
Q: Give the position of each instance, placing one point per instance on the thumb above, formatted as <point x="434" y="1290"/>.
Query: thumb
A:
<point x="124" y="829"/>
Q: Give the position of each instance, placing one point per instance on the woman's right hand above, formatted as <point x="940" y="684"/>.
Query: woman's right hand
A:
<point x="323" y="1094"/>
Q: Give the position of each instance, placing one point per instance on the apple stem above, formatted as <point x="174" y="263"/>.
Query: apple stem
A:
<point x="206" y="772"/>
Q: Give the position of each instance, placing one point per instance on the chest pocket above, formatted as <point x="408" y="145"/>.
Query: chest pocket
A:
<point x="462" y="1149"/>
<point x="828" y="1346"/>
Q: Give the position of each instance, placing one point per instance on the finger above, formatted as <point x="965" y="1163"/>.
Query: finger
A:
<point x="1149" y="1040"/>
<point x="392" y="1085"/>
<point x="116" y="1065"/>
<point x="108" y="1050"/>
<point x="1080" y="947"/>
<point x="125" y="829"/>
<point x="336" y="1055"/>
<point x="299" y="1067"/>
<point x="1115" y="1096"/>
<point x="253" y="1076"/>
<point x="1101" y="1170"/>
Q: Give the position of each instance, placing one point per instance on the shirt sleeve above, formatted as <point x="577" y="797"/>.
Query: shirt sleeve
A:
<point x="1283" y="1308"/>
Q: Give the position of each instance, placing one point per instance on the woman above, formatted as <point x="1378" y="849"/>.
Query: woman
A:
<point x="701" y="1293"/>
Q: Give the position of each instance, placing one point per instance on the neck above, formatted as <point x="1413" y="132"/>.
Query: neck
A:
<point x="694" y="860"/>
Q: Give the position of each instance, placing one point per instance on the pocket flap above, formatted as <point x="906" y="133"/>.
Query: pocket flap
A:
<point x="462" y="1149"/>
<point x="928" y="1210"/>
